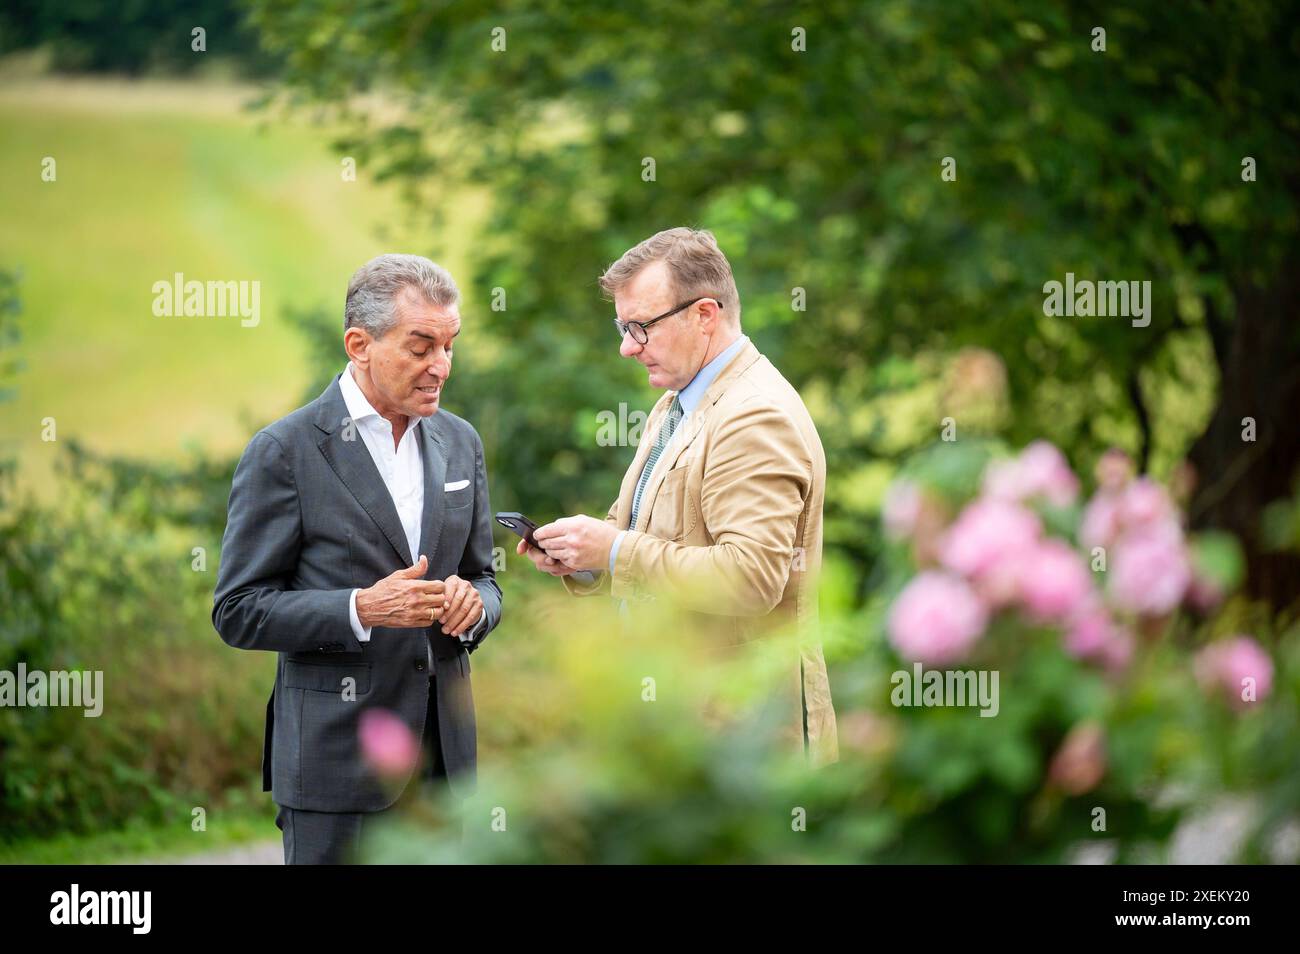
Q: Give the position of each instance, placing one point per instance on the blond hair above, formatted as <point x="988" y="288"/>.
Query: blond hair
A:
<point x="696" y="265"/>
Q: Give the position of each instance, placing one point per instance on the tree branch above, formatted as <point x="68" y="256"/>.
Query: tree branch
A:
<point x="1134" y="387"/>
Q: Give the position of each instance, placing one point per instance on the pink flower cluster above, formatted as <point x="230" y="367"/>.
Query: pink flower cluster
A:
<point x="1238" y="669"/>
<point x="936" y="619"/>
<point x="1040" y="472"/>
<point x="996" y="556"/>
<point x="1138" y="526"/>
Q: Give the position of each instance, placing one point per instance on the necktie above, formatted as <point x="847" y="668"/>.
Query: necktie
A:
<point x="665" y="435"/>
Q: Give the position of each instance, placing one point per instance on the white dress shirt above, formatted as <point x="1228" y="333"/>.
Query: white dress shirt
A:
<point x="403" y="472"/>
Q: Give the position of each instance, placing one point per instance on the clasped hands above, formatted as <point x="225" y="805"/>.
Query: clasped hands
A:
<point x="570" y="544"/>
<point x="404" y="599"/>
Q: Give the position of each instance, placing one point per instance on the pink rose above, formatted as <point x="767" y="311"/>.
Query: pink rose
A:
<point x="1054" y="582"/>
<point x="1138" y="506"/>
<point x="987" y="532"/>
<point x="1093" y="635"/>
<point x="1117" y="652"/>
<point x="1100" y="523"/>
<point x="1145" y="502"/>
<point x="998" y="584"/>
<point x="1040" y="471"/>
<point x="387" y="743"/>
<point x="1088" y="633"/>
<point x="936" y="619"/>
<point x="1238" y="667"/>
<point x="1046" y="473"/>
<point x="1149" y="570"/>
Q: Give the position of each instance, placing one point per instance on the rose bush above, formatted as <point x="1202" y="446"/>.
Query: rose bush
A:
<point x="1128" y="698"/>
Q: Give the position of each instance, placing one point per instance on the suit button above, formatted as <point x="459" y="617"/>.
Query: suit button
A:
<point x="419" y="665"/>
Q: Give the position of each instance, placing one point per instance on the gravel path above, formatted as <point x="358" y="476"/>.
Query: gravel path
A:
<point x="257" y="853"/>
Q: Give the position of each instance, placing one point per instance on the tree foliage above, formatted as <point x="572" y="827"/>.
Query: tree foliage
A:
<point x="820" y="168"/>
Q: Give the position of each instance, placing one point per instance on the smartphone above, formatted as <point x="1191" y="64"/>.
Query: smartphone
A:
<point x="519" y="524"/>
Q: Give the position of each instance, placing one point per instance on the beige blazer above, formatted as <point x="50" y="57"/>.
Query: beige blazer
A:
<point x="730" y="529"/>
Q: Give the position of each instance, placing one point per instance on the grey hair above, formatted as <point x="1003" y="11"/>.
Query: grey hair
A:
<point x="373" y="290"/>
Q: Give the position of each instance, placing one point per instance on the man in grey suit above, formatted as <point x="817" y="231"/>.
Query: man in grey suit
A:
<point x="358" y="547"/>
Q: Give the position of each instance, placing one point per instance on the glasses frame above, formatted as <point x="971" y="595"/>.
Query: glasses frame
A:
<point x="625" y="326"/>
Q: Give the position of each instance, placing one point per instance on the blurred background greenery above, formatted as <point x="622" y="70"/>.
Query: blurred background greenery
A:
<point x="810" y="140"/>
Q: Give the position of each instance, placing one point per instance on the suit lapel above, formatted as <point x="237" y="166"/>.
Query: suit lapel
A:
<point x="693" y="425"/>
<point x="347" y="454"/>
<point x="433" y="452"/>
<point x="680" y="441"/>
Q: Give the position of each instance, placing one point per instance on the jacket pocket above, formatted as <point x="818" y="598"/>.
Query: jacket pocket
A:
<point x="671" y="514"/>
<point x="459" y="500"/>
<point x="326" y="677"/>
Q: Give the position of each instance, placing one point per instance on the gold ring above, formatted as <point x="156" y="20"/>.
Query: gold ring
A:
<point x="433" y="614"/>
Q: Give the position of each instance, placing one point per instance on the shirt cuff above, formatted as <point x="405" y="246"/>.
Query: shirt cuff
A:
<point x="469" y="635"/>
<point x="613" y="551"/>
<point x="362" y="633"/>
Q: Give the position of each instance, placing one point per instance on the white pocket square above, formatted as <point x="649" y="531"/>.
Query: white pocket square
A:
<point x="455" y="485"/>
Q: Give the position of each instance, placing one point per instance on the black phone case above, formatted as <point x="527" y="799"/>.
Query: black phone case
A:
<point x="519" y="524"/>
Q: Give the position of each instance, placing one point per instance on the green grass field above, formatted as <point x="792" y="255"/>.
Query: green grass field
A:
<point x="171" y="843"/>
<point x="156" y="178"/>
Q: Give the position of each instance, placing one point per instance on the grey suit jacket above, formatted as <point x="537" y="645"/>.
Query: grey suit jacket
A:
<point x="309" y="518"/>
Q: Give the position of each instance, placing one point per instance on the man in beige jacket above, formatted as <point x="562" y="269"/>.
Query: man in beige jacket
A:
<point x="721" y="510"/>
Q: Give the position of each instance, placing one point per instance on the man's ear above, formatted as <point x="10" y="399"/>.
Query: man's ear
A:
<point x="710" y="315"/>
<point x="356" y="342"/>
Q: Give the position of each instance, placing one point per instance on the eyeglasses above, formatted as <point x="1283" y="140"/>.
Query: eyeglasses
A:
<point x="638" y="328"/>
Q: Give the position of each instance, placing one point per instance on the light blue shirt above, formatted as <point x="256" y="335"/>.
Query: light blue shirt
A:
<point x="689" y="398"/>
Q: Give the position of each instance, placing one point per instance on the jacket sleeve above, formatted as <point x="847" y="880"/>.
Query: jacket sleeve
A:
<point x="758" y="474"/>
<point x="253" y="606"/>
<point x="476" y="561"/>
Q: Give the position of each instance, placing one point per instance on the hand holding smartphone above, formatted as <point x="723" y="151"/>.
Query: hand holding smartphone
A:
<point x="525" y="527"/>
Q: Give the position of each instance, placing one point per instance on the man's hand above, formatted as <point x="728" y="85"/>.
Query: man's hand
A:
<point x="464" y="605"/>
<point x="546" y="564"/>
<point x="580" y="542"/>
<point x="404" y="600"/>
